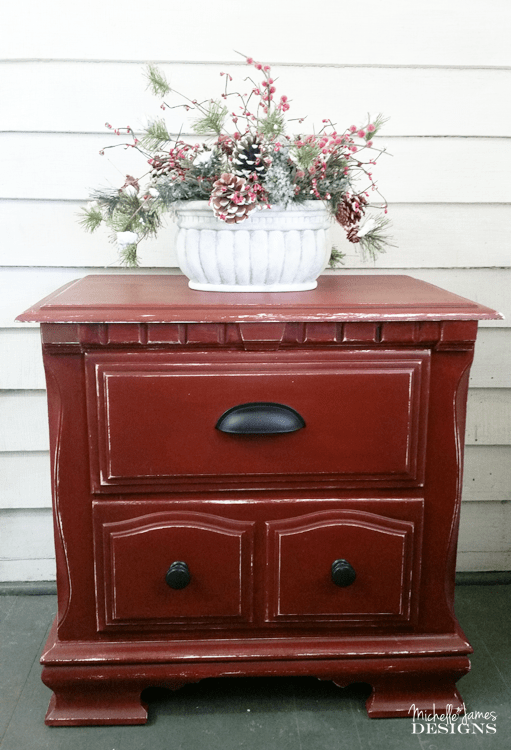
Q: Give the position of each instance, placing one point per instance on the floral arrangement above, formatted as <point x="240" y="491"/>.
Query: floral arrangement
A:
<point x="254" y="165"/>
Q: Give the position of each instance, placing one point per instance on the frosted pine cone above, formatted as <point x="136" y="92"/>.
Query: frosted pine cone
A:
<point x="350" y="210"/>
<point x="159" y="165"/>
<point x="248" y="157"/>
<point x="132" y="183"/>
<point x="232" y="200"/>
<point x="352" y="234"/>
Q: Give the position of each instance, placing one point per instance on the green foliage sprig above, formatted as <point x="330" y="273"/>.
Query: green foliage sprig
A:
<point x="156" y="136"/>
<point x="212" y="121"/>
<point x="336" y="257"/>
<point x="377" y="239"/>
<point x="157" y="81"/>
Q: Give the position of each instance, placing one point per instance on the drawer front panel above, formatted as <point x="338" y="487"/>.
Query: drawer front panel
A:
<point x="153" y="418"/>
<point x="344" y="565"/>
<point x="133" y="557"/>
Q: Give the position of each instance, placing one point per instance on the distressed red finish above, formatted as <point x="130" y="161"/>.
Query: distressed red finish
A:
<point x="139" y="371"/>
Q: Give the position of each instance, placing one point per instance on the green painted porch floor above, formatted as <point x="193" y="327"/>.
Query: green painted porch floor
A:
<point x="280" y="713"/>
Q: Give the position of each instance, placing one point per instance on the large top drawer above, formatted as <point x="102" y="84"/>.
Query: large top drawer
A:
<point x="153" y="418"/>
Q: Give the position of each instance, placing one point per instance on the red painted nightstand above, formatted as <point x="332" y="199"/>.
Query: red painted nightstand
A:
<point x="255" y="484"/>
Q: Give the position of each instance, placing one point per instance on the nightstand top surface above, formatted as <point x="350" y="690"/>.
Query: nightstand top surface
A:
<point x="141" y="298"/>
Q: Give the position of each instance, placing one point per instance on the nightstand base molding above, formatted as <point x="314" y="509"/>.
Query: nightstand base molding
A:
<point x="112" y="695"/>
<point x="99" y="689"/>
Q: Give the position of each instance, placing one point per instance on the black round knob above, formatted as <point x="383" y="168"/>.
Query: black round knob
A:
<point x="178" y="576"/>
<point x="343" y="574"/>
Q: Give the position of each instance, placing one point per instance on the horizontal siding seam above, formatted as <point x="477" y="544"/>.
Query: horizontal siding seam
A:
<point x="26" y="559"/>
<point x="20" y="391"/>
<point x="174" y="136"/>
<point x="242" y="63"/>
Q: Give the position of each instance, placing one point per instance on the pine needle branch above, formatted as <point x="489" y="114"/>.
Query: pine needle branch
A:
<point x="377" y="240"/>
<point x="155" y="136"/>
<point x="91" y="218"/>
<point x="213" y="120"/>
<point x="128" y="256"/>
<point x="336" y="257"/>
<point x="273" y="125"/>
<point x="157" y="81"/>
<point x="306" y="155"/>
<point x="107" y="199"/>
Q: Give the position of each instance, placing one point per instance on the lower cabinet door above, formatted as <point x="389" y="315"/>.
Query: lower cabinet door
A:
<point x="344" y="566"/>
<point x="172" y="568"/>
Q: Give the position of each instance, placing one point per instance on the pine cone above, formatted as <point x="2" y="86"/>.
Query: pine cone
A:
<point x="131" y="182"/>
<point x="350" y="210"/>
<point x="352" y="235"/>
<point x="160" y="165"/>
<point x="248" y="157"/>
<point x="232" y="199"/>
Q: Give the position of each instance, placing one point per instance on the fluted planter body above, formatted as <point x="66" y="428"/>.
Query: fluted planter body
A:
<point x="276" y="249"/>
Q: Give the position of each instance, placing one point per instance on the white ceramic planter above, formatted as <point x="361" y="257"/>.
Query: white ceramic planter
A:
<point x="275" y="250"/>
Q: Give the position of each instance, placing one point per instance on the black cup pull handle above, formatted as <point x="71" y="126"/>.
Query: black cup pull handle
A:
<point x="178" y="575"/>
<point x="343" y="574"/>
<point x="260" y="418"/>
